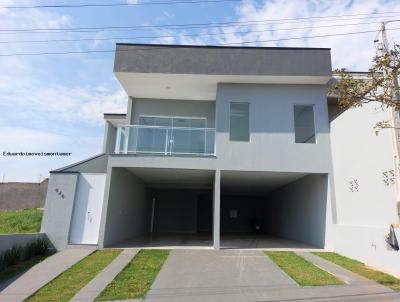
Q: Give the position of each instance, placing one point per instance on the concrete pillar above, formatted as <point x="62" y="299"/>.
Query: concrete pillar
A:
<point x="216" y="210"/>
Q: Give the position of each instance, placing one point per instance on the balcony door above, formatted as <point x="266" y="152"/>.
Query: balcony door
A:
<point x="172" y="135"/>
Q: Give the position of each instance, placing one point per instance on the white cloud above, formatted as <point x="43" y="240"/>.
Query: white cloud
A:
<point x="132" y="1"/>
<point x="353" y="51"/>
<point x="43" y="109"/>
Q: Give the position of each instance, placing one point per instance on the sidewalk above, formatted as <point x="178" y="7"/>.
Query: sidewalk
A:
<point x="96" y="286"/>
<point x="41" y="274"/>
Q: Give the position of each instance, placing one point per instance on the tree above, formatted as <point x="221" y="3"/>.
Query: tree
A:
<point x="379" y="85"/>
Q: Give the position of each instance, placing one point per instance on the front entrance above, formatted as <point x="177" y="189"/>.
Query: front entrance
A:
<point x="85" y="223"/>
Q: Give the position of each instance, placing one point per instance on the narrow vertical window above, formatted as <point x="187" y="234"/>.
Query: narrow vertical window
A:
<point x="239" y="122"/>
<point x="304" y="124"/>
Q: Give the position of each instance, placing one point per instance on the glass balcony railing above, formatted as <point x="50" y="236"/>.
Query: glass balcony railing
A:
<point x="165" y="140"/>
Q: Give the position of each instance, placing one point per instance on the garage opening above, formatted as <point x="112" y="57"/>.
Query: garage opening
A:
<point x="273" y="210"/>
<point x="159" y="208"/>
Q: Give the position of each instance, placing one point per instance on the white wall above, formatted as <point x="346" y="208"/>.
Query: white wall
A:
<point x="359" y="154"/>
<point x="298" y="211"/>
<point x="363" y="216"/>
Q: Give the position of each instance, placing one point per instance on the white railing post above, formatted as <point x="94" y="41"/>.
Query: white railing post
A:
<point x="126" y="141"/>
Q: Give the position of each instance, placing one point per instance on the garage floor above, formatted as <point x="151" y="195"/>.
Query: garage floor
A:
<point x="199" y="241"/>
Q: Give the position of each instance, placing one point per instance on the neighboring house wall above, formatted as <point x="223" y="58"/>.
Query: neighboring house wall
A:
<point x="19" y="195"/>
<point x="360" y="157"/>
<point x="58" y="208"/>
<point x="365" y="196"/>
<point x="127" y="208"/>
<point x="299" y="210"/>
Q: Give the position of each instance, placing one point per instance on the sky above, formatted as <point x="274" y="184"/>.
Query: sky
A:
<point x="55" y="103"/>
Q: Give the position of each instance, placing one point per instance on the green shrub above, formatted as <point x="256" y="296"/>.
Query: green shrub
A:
<point x="37" y="247"/>
<point x="18" y="253"/>
<point x="11" y="256"/>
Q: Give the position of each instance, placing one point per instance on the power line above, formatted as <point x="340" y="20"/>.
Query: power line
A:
<point x="167" y="47"/>
<point x="186" y="35"/>
<point x="139" y="3"/>
<point x="188" y="25"/>
<point x="221" y="25"/>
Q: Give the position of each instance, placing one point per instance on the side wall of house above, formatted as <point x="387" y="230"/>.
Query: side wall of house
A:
<point x="364" y="187"/>
<point x="128" y="210"/>
<point x="298" y="211"/>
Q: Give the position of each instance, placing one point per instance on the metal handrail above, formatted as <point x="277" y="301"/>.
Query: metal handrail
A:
<point x="166" y="127"/>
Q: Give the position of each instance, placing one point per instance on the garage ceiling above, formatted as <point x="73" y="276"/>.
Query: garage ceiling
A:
<point x="175" y="178"/>
<point x="255" y="183"/>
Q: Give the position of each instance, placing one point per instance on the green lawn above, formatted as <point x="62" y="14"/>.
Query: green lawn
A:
<point x="303" y="272"/>
<point x="20" y="267"/>
<point x="361" y="269"/>
<point x="135" y="280"/>
<point x="65" y="286"/>
<point x="21" y="221"/>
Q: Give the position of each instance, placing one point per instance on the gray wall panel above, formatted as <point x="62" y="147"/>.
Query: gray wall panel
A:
<point x="128" y="212"/>
<point x="58" y="208"/>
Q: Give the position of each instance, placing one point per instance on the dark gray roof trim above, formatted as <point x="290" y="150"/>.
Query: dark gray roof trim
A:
<point x="222" y="60"/>
<point x="114" y="115"/>
<point x="218" y="46"/>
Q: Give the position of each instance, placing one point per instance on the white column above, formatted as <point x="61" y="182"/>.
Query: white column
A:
<point x="216" y="210"/>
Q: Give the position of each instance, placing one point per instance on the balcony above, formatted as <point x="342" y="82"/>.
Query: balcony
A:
<point x="168" y="141"/>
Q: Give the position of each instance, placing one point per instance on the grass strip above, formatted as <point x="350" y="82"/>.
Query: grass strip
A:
<point x="361" y="269"/>
<point x="302" y="271"/>
<point x="66" y="285"/>
<point x="135" y="280"/>
<point x="21" y="221"/>
<point x="20" y="267"/>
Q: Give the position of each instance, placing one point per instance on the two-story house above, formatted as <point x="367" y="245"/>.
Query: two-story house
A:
<point x="220" y="146"/>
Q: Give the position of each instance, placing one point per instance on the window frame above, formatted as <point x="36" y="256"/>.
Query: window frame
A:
<point x="249" y="123"/>
<point x="314" y="122"/>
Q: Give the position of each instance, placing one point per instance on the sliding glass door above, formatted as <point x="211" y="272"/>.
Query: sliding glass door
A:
<point x="170" y="135"/>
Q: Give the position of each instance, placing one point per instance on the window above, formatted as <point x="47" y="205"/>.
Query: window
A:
<point x="239" y="122"/>
<point x="304" y="124"/>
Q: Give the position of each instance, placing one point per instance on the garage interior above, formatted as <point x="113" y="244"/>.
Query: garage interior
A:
<point x="173" y="208"/>
<point x="273" y="209"/>
<point x="160" y="208"/>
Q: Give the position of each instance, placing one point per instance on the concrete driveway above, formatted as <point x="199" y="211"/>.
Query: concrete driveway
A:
<point x="240" y="275"/>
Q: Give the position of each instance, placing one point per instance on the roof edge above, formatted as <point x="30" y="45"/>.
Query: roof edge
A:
<point x="217" y="46"/>
<point x="62" y="169"/>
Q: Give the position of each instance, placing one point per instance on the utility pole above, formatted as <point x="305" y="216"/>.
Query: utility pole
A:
<point x="395" y="121"/>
